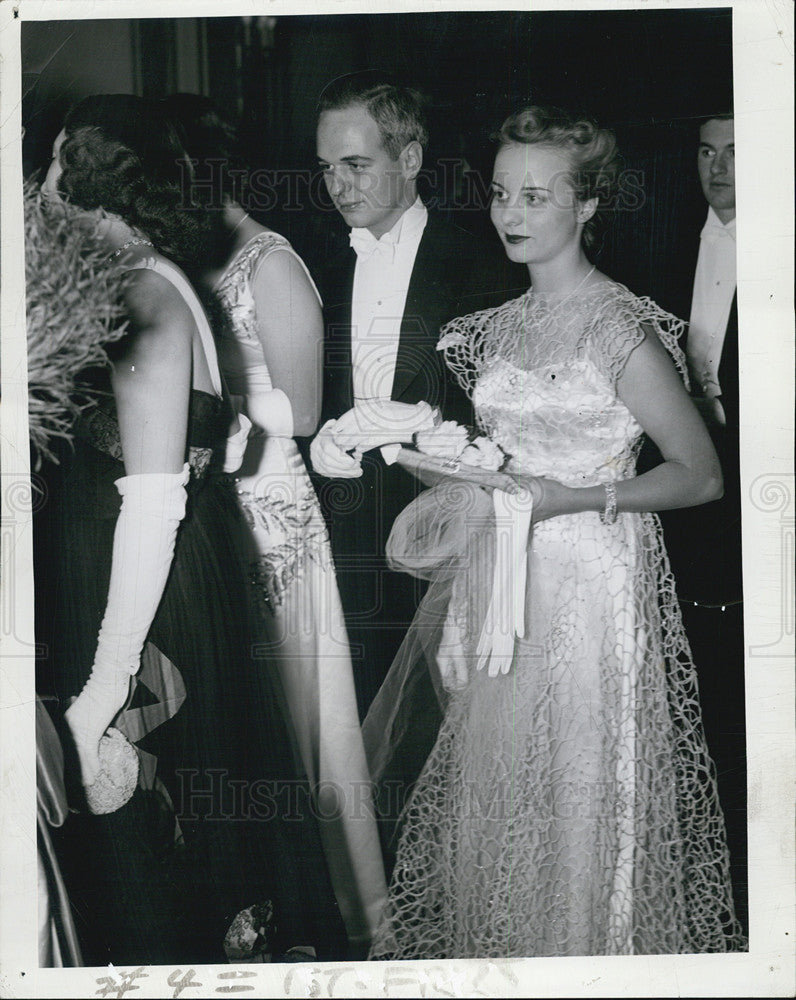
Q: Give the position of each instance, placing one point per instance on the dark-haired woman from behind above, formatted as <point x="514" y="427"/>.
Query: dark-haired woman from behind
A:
<point x="569" y="806"/>
<point x="179" y="853"/>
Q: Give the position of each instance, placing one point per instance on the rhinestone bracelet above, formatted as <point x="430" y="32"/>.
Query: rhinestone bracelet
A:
<point x="608" y="516"/>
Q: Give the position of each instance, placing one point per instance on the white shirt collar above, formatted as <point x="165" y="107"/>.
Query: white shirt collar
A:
<point x="411" y="223"/>
<point x="714" y="222"/>
<point x="407" y="229"/>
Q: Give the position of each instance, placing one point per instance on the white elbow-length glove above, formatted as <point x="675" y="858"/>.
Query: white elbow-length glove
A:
<point x="153" y="504"/>
<point x="505" y="615"/>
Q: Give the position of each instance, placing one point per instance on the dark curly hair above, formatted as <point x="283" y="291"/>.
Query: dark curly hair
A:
<point x="591" y="151"/>
<point x="121" y="154"/>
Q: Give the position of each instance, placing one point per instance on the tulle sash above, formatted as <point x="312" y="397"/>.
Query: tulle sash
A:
<point x="429" y="537"/>
<point x="471" y="545"/>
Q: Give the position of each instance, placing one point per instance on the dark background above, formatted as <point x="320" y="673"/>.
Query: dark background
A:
<point x="648" y="74"/>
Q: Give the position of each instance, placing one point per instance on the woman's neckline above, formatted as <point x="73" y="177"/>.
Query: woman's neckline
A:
<point x="602" y="283"/>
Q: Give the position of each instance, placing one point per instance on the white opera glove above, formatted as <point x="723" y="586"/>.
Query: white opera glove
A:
<point x="329" y="459"/>
<point x="505" y="615"/>
<point x="371" y="423"/>
<point x="272" y="412"/>
<point x="236" y="445"/>
<point x="153" y="504"/>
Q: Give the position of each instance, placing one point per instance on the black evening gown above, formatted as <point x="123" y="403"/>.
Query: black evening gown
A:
<point x="220" y="820"/>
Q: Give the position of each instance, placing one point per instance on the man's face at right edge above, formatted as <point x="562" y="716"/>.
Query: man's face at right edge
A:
<point x="716" y="165"/>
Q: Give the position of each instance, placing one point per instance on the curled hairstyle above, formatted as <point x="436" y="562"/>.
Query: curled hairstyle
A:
<point x="594" y="160"/>
<point x="121" y="154"/>
<point x="398" y="111"/>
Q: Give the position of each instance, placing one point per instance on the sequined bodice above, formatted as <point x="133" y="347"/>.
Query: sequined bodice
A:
<point x="543" y="379"/>
<point x="564" y="422"/>
<point x="240" y="351"/>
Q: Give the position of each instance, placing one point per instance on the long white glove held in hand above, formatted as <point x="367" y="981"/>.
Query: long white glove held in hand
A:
<point x="505" y="616"/>
<point x="153" y="504"/>
<point x="371" y="423"/>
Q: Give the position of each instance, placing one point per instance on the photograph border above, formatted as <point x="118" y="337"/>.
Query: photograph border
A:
<point x="763" y="83"/>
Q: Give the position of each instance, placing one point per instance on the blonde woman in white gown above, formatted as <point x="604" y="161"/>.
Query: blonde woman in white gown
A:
<point x="569" y="806"/>
<point x="269" y="332"/>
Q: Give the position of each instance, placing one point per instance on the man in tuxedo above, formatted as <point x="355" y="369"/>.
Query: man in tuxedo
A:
<point x="405" y="273"/>
<point x="704" y="543"/>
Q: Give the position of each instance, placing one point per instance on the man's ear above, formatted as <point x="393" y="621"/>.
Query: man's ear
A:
<point x="587" y="208"/>
<point x="411" y="160"/>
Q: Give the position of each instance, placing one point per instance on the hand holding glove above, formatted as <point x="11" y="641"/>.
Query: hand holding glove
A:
<point x="329" y="459"/>
<point x="376" y="422"/>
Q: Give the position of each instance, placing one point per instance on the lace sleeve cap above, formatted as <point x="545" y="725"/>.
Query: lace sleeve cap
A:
<point x="467" y="343"/>
<point x="624" y="324"/>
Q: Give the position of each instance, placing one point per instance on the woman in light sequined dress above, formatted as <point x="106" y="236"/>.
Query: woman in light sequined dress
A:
<point x="269" y="332"/>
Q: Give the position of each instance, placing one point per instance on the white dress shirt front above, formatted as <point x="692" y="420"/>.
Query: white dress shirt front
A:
<point x="381" y="283"/>
<point x="714" y="288"/>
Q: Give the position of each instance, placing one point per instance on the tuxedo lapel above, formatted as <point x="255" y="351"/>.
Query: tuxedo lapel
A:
<point x="692" y="259"/>
<point x="427" y="306"/>
<point x="441" y="286"/>
<point x="728" y="365"/>
<point x="677" y="283"/>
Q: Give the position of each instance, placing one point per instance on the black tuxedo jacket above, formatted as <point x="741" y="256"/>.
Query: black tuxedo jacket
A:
<point x="704" y="543"/>
<point x="453" y="274"/>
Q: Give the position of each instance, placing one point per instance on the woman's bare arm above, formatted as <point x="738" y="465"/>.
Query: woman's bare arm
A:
<point x="290" y="327"/>
<point x="151" y="376"/>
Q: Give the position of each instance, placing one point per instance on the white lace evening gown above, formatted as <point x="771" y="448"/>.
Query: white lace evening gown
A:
<point x="569" y="807"/>
<point x="298" y="608"/>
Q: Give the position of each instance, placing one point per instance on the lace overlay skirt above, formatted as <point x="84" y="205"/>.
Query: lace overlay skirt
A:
<point x="569" y="807"/>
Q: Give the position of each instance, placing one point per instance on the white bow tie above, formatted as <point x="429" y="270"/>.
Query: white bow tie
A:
<point x="366" y="245"/>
